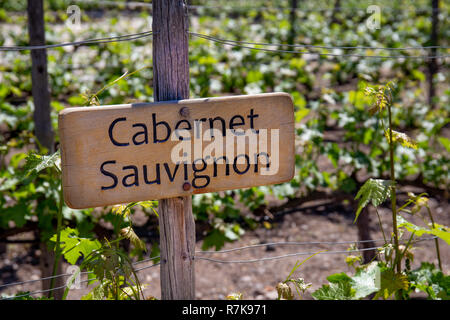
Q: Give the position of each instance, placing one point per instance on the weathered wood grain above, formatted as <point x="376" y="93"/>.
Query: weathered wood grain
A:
<point x="171" y="82"/>
<point x="87" y="148"/>
<point x="39" y="76"/>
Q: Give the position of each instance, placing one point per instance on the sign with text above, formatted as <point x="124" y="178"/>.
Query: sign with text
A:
<point x="133" y="152"/>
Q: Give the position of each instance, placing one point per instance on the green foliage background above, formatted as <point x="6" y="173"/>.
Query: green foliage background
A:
<point x="333" y="127"/>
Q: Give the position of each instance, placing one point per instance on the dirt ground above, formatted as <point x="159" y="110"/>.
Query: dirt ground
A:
<point x="256" y="280"/>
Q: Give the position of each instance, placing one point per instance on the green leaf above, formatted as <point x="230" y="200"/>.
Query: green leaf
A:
<point x="335" y="291"/>
<point x="216" y="239"/>
<point x="375" y="191"/>
<point x="73" y="246"/>
<point x="338" y="277"/>
<point x="76" y="100"/>
<point x="366" y="280"/>
<point x="440" y="231"/>
<point x="401" y="138"/>
<point x="419" y="75"/>
<point x="129" y="233"/>
<point x="390" y="283"/>
<point x="445" y="142"/>
<point x="8" y="183"/>
<point x="35" y="163"/>
<point x="300" y="114"/>
<point x="429" y="279"/>
<point x="17" y="213"/>
<point x="234" y="296"/>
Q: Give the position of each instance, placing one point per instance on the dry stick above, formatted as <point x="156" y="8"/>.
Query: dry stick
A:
<point x="58" y="252"/>
<point x="397" y="261"/>
<point x="381" y="225"/>
<point x="171" y="82"/>
<point x="436" y="241"/>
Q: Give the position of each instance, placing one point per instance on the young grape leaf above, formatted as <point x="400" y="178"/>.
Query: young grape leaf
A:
<point x="215" y="238"/>
<point x="402" y="138"/>
<point x="390" y="283"/>
<point x="129" y="233"/>
<point x="73" y="246"/>
<point x="122" y="209"/>
<point x="284" y="291"/>
<point x="8" y="183"/>
<point x="445" y="142"/>
<point x="375" y="191"/>
<point x="335" y="291"/>
<point x="440" y="231"/>
<point x="430" y="280"/>
<point x="338" y="277"/>
<point x="366" y="280"/>
<point x="17" y="213"/>
<point x="35" y="163"/>
<point x="234" y="296"/>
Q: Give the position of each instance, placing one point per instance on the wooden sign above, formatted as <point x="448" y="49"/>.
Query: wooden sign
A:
<point x="133" y="152"/>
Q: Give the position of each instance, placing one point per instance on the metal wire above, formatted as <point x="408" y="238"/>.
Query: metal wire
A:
<point x="128" y="37"/>
<point x="293" y="243"/>
<point x="321" y="47"/>
<point x="290" y="9"/>
<point x="82" y="281"/>
<point x="243" y="44"/>
<point x="131" y="4"/>
<point x="285" y="256"/>
<point x="66" y="274"/>
<point x="296" y="253"/>
<point x="283" y="243"/>
<point x="237" y="44"/>
<point x="137" y="4"/>
<point x="223" y="261"/>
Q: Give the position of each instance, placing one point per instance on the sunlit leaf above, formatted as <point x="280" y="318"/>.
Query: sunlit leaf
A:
<point x="74" y="246"/>
<point x="366" y="280"/>
<point x="35" y="163"/>
<point x="440" y="231"/>
<point x="401" y="138"/>
<point x="129" y="233"/>
<point x="391" y="282"/>
<point x="335" y="291"/>
<point x="375" y="191"/>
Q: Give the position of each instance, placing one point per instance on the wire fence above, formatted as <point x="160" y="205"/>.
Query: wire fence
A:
<point x="128" y="37"/>
<point x="198" y="256"/>
<point x="243" y="44"/>
<point x="252" y="46"/>
<point x="252" y="7"/>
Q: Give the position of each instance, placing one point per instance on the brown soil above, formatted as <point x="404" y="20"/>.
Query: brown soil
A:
<point x="257" y="280"/>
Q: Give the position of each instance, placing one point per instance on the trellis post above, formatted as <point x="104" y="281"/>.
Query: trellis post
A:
<point x="433" y="65"/>
<point x="39" y="76"/>
<point x="171" y="82"/>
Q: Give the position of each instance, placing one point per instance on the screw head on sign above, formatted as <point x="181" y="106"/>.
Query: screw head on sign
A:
<point x="186" y="186"/>
<point x="184" y="112"/>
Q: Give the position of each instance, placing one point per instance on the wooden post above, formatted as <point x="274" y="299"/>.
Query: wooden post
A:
<point x="336" y="9"/>
<point x="292" y="20"/>
<point x="42" y="121"/>
<point x="363" y="224"/>
<point x="433" y="65"/>
<point x="171" y="82"/>
<point x="39" y="76"/>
